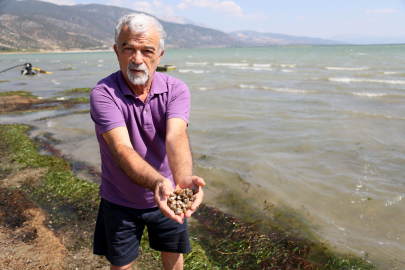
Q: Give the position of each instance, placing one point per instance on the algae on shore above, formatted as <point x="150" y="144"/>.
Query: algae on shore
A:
<point x="219" y="241"/>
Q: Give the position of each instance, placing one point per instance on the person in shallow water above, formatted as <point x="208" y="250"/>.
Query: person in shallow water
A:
<point x="28" y="70"/>
<point x="140" y="120"/>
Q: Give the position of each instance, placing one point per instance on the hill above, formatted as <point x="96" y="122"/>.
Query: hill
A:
<point x="271" y="39"/>
<point x="40" y="25"/>
<point x="36" y="25"/>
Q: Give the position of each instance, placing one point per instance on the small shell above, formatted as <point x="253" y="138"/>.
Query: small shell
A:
<point x="179" y="197"/>
<point x="173" y="206"/>
<point x="194" y="189"/>
<point x="192" y="198"/>
<point x="170" y="199"/>
<point x="178" y="211"/>
<point x="186" y="200"/>
<point x="179" y="202"/>
<point x="181" y="192"/>
<point x="189" y="193"/>
<point x="189" y="204"/>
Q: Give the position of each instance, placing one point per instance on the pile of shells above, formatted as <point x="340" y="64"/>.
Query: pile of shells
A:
<point x="181" y="200"/>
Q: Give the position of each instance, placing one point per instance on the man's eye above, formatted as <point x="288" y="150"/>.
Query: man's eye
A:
<point x="127" y="49"/>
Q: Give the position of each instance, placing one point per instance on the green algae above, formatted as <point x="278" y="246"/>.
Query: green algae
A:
<point x="76" y="90"/>
<point x="72" y="202"/>
<point x="17" y="93"/>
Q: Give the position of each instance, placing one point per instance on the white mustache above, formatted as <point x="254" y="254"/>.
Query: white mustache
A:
<point x="141" y="67"/>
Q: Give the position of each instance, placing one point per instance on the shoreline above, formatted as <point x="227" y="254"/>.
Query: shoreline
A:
<point x="202" y="230"/>
<point x="58" y="51"/>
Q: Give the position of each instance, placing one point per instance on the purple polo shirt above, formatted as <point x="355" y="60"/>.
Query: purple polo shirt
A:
<point x="113" y="105"/>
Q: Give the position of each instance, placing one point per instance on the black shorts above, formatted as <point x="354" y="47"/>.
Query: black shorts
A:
<point x="119" y="231"/>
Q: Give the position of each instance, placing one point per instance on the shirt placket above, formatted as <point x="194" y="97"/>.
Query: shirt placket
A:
<point x="147" y="116"/>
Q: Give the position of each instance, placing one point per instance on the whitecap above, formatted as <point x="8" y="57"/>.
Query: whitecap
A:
<point x="100" y="61"/>
<point x="369" y="94"/>
<point x="99" y="65"/>
<point x="247" y="86"/>
<point x="390" y="72"/>
<point x="288" y="65"/>
<point x="287" y="90"/>
<point x="192" y="71"/>
<point x="196" y="63"/>
<point x="349" y="80"/>
<point x="60" y="98"/>
<point x="55" y="82"/>
<point x="231" y="64"/>
<point x="344" y="68"/>
<point x="252" y="68"/>
<point x="262" y="65"/>
<point x="287" y="70"/>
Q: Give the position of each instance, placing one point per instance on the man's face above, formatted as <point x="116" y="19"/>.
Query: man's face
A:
<point x="138" y="55"/>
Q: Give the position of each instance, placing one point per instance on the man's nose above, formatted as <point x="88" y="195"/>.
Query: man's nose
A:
<point x="138" y="57"/>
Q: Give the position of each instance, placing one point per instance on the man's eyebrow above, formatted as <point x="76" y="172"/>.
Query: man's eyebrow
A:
<point x="150" y="48"/>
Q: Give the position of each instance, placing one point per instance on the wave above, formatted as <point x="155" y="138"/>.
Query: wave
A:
<point x="287" y="70"/>
<point x="390" y="72"/>
<point x="196" y="63"/>
<point x="231" y="64"/>
<point x="252" y="68"/>
<point x="288" y="65"/>
<point x="370" y="95"/>
<point x="362" y="114"/>
<point x="284" y="90"/>
<point x="349" y="80"/>
<point x="193" y="71"/>
<point x="262" y="65"/>
<point x="344" y="68"/>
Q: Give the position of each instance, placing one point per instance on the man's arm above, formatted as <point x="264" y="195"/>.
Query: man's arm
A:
<point x="180" y="160"/>
<point x="139" y="170"/>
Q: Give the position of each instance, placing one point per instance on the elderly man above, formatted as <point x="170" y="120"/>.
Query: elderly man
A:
<point x="141" y="118"/>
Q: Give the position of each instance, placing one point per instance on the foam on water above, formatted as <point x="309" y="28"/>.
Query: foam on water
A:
<point x="345" y="68"/>
<point x="262" y="65"/>
<point x="193" y="71"/>
<point x="231" y="64"/>
<point x="287" y="70"/>
<point x="390" y="72"/>
<point x="288" y="65"/>
<point x="349" y="80"/>
<point x="275" y="89"/>
<point x="252" y="68"/>
<point x="196" y="64"/>
<point x="369" y="94"/>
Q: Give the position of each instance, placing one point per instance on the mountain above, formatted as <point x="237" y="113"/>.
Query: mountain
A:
<point x="37" y="25"/>
<point x="40" y="25"/>
<point x="271" y="39"/>
<point x="365" y="40"/>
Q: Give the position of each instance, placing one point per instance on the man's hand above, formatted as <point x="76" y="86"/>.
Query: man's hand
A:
<point x="162" y="190"/>
<point x="190" y="182"/>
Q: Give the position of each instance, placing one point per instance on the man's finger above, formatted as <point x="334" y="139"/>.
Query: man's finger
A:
<point x="198" y="199"/>
<point x="198" y="181"/>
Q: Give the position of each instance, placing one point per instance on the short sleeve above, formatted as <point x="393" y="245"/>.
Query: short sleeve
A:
<point x="179" y="103"/>
<point x="104" y="110"/>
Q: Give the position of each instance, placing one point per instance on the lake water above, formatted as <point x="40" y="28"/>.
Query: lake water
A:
<point x="316" y="131"/>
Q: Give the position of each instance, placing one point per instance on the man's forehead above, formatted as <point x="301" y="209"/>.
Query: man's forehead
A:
<point x="127" y="34"/>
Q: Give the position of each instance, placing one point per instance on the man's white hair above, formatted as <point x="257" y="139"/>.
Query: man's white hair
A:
<point x="140" y="23"/>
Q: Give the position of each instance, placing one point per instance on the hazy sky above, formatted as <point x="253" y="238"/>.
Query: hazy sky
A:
<point x="314" y="18"/>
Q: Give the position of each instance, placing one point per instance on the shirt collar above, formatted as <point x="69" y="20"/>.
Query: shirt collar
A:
<point x="158" y="86"/>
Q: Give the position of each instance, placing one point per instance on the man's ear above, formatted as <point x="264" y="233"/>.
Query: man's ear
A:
<point x="116" y="50"/>
<point x="161" y="54"/>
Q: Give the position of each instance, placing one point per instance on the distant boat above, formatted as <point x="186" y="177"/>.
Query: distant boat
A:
<point x="165" y="67"/>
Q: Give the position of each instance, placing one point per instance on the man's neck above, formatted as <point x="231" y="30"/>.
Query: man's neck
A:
<point x="141" y="91"/>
